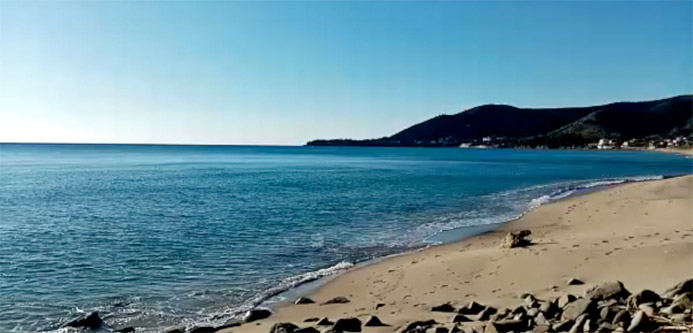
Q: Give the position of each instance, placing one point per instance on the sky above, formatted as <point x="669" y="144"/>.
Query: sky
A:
<point x="273" y="72"/>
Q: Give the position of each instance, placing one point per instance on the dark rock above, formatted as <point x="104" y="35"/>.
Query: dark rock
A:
<point x="423" y="324"/>
<point x="443" y="308"/>
<point x="379" y="305"/>
<point x="347" y="325"/>
<point x="506" y="326"/>
<point x="374" y="321"/>
<point x="578" y="307"/>
<point x="484" y="314"/>
<point x="307" y="330"/>
<point x="176" y="330"/>
<point x="304" y="300"/>
<point x="440" y="329"/>
<point x="574" y="282"/>
<point x="548" y="308"/>
<point x="460" y="318"/>
<point x="91" y="320"/>
<point x="455" y="329"/>
<point x="125" y="330"/>
<point x="310" y="320"/>
<point x="324" y="322"/>
<point x="564" y="300"/>
<point x="679" y="288"/>
<point x="256" y="314"/>
<point x="229" y="324"/>
<point x="621" y="318"/>
<point x="645" y="296"/>
<point x="516" y="239"/>
<point x="337" y="300"/>
<point x="471" y="308"/>
<point x="283" y="328"/>
<point x="202" y="329"/>
<point x="611" y="289"/>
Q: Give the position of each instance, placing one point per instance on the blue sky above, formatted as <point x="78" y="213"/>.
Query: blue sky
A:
<point x="287" y="72"/>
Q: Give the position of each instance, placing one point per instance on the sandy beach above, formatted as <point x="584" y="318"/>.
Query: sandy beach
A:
<point x="637" y="233"/>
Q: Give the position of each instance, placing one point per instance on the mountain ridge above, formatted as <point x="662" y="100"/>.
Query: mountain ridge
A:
<point x="551" y="127"/>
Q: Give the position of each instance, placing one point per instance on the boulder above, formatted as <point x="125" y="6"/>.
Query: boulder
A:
<point x="443" y="308"/>
<point x="606" y="290"/>
<point x="312" y="319"/>
<point x="578" y="307"/>
<point x="645" y="296"/>
<point x="256" y="314"/>
<point x="91" y="320"/>
<point x="506" y="326"/>
<point x="647" y="308"/>
<point x="460" y="318"/>
<point x="574" y="282"/>
<point x="374" y="321"/>
<point x="439" y="329"/>
<point x="579" y="324"/>
<point x="350" y="324"/>
<point x="542" y="328"/>
<point x="471" y="308"/>
<point x="540" y="319"/>
<point x="229" y="324"/>
<point x="516" y="239"/>
<point x="548" y="308"/>
<point x="421" y="324"/>
<point x="484" y="315"/>
<point x="621" y="318"/>
<point x="638" y="323"/>
<point x="304" y="300"/>
<point x="324" y="322"/>
<point x="563" y="326"/>
<point x="125" y="330"/>
<point x="564" y="300"/>
<point x="307" y="330"/>
<point x="336" y="300"/>
<point x="283" y="328"/>
<point x="679" y="288"/>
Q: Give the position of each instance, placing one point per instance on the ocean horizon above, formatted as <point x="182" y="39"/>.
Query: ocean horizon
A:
<point x="154" y="236"/>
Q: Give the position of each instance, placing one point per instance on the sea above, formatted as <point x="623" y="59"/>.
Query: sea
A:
<point x="156" y="236"/>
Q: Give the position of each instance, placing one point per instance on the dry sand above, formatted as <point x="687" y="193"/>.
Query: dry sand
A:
<point x="638" y="233"/>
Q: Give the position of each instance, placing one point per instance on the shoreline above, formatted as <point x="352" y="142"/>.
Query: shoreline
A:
<point x="405" y="310"/>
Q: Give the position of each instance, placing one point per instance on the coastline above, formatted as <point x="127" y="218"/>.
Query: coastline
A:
<point x="410" y="283"/>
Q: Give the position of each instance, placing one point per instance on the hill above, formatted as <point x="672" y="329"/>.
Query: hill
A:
<point x="507" y="125"/>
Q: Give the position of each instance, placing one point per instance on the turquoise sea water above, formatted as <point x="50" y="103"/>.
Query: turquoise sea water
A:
<point x="154" y="236"/>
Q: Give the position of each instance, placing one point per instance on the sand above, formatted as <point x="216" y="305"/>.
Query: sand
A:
<point x="638" y="233"/>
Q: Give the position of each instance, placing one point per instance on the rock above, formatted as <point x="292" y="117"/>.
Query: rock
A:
<point x="574" y="282"/>
<point x="579" y="324"/>
<point x="304" y="300"/>
<point x="589" y="325"/>
<point x="533" y="312"/>
<point x="484" y="314"/>
<point x="202" y="329"/>
<point x="612" y="289"/>
<point x="645" y="296"/>
<point x="679" y="318"/>
<point x="542" y="328"/>
<point x="621" y="318"/>
<point x="578" y="307"/>
<point x="176" y="330"/>
<point x="336" y="300"/>
<point x="125" y="330"/>
<point x="565" y="300"/>
<point x="421" y="324"/>
<point x="374" y="321"/>
<point x="460" y="318"/>
<point x="548" y="308"/>
<point x="91" y="320"/>
<point x="455" y="329"/>
<point x="540" y="319"/>
<point x="684" y="300"/>
<point x="443" y="308"/>
<point x="229" y="324"/>
<point x="347" y="325"/>
<point x="256" y="314"/>
<point x="563" y="326"/>
<point x="324" y="322"/>
<point x="606" y="327"/>
<point x="379" y="305"/>
<point x="648" y="309"/>
<point x="638" y="322"/>
<point x="307" y="330"/>
<point x="310" y="320"/>
<point x="439" y="329"/>
<point x="605" y="314"/>
<point x="516" y="239"/>
<point x="471" y="308"/>
<point x="679" y="288"/>
<point x="283" y="328"/>
<point x="505" y="326"/>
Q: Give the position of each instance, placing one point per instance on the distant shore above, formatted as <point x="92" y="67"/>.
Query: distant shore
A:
<point x="637" y="233"/>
